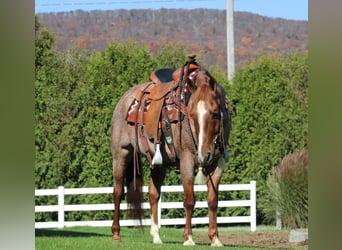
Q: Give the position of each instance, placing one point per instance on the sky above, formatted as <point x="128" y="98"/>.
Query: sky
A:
<point x="288" y="9"/>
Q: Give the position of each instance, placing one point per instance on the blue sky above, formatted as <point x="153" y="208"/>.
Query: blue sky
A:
<point x="289" y="9"/>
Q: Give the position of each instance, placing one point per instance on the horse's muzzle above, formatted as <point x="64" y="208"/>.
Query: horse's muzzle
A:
<point x="206" y="159"/>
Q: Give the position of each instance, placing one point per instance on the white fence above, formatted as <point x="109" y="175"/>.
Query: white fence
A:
<point x="61" y="208"/>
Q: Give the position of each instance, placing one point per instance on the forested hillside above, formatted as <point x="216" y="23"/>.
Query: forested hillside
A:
<point x="199" y="31"/>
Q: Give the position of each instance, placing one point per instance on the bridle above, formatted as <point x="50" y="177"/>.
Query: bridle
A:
<point x="182" y="101"/>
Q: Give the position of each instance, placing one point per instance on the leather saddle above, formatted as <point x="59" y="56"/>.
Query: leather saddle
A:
<point x="147" y="106"/>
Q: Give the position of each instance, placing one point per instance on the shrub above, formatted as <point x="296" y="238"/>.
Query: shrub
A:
<point x="270" y="118"/>
<point x="287" y="188"/>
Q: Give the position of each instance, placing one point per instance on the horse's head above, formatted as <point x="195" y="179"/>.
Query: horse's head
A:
<point x="204" y="109"/>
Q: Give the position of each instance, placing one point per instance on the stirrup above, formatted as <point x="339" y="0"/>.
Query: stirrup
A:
<point x="157" y="158"/>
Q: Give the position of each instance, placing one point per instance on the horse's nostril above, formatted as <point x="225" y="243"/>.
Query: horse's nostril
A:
<point x="205" y="158"/>
<point x="209" y="156"/>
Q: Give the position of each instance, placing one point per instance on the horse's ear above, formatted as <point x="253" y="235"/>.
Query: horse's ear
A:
<point x="211" y="81"/>
<point x="191" y="80"/>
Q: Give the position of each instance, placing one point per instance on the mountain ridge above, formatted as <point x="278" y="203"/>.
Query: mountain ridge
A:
<point x="199" y="31"/>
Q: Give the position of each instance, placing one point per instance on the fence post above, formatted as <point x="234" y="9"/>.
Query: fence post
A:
<point x="253" y="205"/>
<point x="60" y="206"/>
<point x="278" y="220"/>
<point x="159" y="210"/>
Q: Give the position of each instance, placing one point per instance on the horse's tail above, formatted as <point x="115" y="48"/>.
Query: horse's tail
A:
<point x="134" y="183"/>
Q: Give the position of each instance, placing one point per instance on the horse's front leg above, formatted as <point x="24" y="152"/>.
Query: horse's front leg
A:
<point x="213" y="181"/>
<point x="157" y="178"/>
<point x="187" y="176"/>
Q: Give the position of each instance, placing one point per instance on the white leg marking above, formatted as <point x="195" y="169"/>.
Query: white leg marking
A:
<point x="189" y="242"/>
<point x="201" y="111"/>
<point x="216" y="243"/>
<point x="155" y="233"/>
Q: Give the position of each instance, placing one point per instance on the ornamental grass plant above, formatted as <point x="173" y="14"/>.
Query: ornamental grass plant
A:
<point x="287" y="188"/>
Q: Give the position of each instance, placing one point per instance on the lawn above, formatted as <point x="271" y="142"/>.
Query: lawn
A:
<point x="92" y="238"/>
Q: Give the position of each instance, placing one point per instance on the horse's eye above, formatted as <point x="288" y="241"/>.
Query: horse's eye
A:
<point x="215" y="115"/>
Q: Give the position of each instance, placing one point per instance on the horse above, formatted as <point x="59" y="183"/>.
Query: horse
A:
<point x="199" y="135"/>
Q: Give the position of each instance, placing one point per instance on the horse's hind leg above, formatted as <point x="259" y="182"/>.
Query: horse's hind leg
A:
<point x="157" y="178"/>
<point x="118" y="177"/>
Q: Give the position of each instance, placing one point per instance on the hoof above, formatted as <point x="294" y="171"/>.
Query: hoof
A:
<point x="157" y="240"/>
<point x="189" y="242"/>
<point x="116" y="238"/>
<point x="216" y="243"/>
<point x="155" y="234"/>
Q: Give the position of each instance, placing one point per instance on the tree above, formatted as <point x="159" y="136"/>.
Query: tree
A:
<point x="75" y="96"/>
<point x="44" y="41"/>
<point x="269" y="99"/>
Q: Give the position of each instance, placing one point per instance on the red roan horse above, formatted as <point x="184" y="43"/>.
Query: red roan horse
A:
<point x="199" y="139"/>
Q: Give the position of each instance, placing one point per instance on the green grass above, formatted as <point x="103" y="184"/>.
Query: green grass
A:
<point x="93" y="238"/>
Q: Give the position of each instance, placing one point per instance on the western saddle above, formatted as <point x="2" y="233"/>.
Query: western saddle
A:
<point x="158" y="104"/>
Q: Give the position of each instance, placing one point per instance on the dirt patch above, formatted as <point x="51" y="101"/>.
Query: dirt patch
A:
<point x="258" y="239"/>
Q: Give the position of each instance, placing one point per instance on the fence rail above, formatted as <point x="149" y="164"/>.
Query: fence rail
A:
<point x="61" y="208"/>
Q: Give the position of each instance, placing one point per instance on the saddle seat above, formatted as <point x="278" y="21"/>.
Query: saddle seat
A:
<point x="163" y="75"/>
